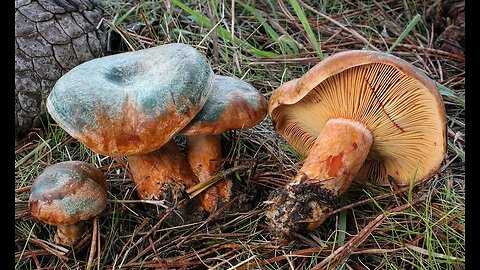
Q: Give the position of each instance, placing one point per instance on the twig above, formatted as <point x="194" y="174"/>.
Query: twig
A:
<point x="212" y="216"/>
<point x="147" y="24"/>
<point x="45" y="245"/>
<point x="200" y="187"/>
<point x="142" y="201"/>
<point x="351" y="31"/>
<point x="23" y="189"/>
<point x="143" y="252"/>
<point x="135" y="232"/>
<point x="213" y="19"/>
<point x="162" y="219"/>
<point x="152" y="246"/>
<point x="250" y="248"/>
<point x="301" y="252"/>
<point x="31" y="254"/>
<point x="156" y="225"/>
<point x="78" y="247"/>
<point x="292" y="20"/>
<point x="37" y="263"/>
<point x="121" y="32"/>
<point x="379" y="197"/>
<point x="344" y="251"/>
<point x="427" y="50"/>
<point x="92" y="246"/>
<point x="99" y="250"/>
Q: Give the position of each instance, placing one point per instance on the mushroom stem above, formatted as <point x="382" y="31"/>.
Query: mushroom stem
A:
<point x="162" y="174"/>
<point x="204" y="153"/>
<point x="333" y="161"/>
<point x="68" y="234"/>
<point x="337" y="154"/>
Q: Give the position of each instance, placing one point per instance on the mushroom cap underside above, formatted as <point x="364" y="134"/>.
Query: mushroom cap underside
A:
<point x="399" y="104"/>
<point x="68" y="192"/>
<point x="134" y="102"/>
<point x="233" y="105"/>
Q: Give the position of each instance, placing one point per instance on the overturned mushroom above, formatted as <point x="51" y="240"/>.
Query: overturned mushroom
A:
<point x="233" y="105"/>
<point x="65" y="195"/>
<point x="132" y="104"/>
<point x="357" y="114"/>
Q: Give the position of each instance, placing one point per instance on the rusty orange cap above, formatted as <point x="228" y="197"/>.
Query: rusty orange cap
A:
<point x="397" y="102"/>
<point x="134" y="102"/>
<point x="68" y="192"/>
<point x="233" y="104"/>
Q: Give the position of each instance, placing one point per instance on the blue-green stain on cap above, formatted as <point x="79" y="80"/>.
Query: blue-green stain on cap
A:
<point x="134" y="102"/>
<point x="233" y="104"/>
<point x="68" y="192"/>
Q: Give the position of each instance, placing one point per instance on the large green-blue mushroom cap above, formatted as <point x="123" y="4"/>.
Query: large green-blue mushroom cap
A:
<point x="233" y="105"/>
<point x="134" y="102"/>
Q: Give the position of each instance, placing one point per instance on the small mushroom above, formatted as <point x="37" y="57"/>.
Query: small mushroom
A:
<point x="65" y="195"/>
<point x="132" y="104"/>
<point x="359" y="115"/>
<point x="233" y="105"/>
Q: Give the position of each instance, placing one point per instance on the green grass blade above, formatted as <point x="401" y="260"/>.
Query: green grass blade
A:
<point x="412" y="184"/>
<point x="37" y="149"/>
<point x="445" y="91"/>
<point x="303" y="19"/>
<point x="199" y="17"/>
<point x="342" y="224"/>
<point x="405" y="32"/>
<point x="273" y="9"/>
<point x="120" y="20"/>
<point x="281" y="40"/>
<point x="25" y="246"/>
<point x="342" y="228"/>
<point x="459" y="152"/>
<point x="273" y="35"/>
<point x="224" y="33"/>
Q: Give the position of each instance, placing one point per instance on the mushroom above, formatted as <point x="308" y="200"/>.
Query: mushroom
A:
<point x="67" y="194"/>
<point x="132" y="104"/>
<point x="361" y="115"/>
<point x="233" y="105"/>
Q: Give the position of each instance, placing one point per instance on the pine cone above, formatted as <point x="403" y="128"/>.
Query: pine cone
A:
<point x="51" y="37"/>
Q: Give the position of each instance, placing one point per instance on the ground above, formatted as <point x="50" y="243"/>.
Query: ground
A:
<point x="267" y="43"/>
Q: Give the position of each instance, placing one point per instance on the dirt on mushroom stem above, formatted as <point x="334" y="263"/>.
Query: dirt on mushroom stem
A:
<point x="433" y="226"/>
<point x="164" y="175"/>
<point x="334" y="160"/>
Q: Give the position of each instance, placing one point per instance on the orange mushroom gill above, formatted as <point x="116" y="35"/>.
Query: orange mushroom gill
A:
<point x="356" y="115"/>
